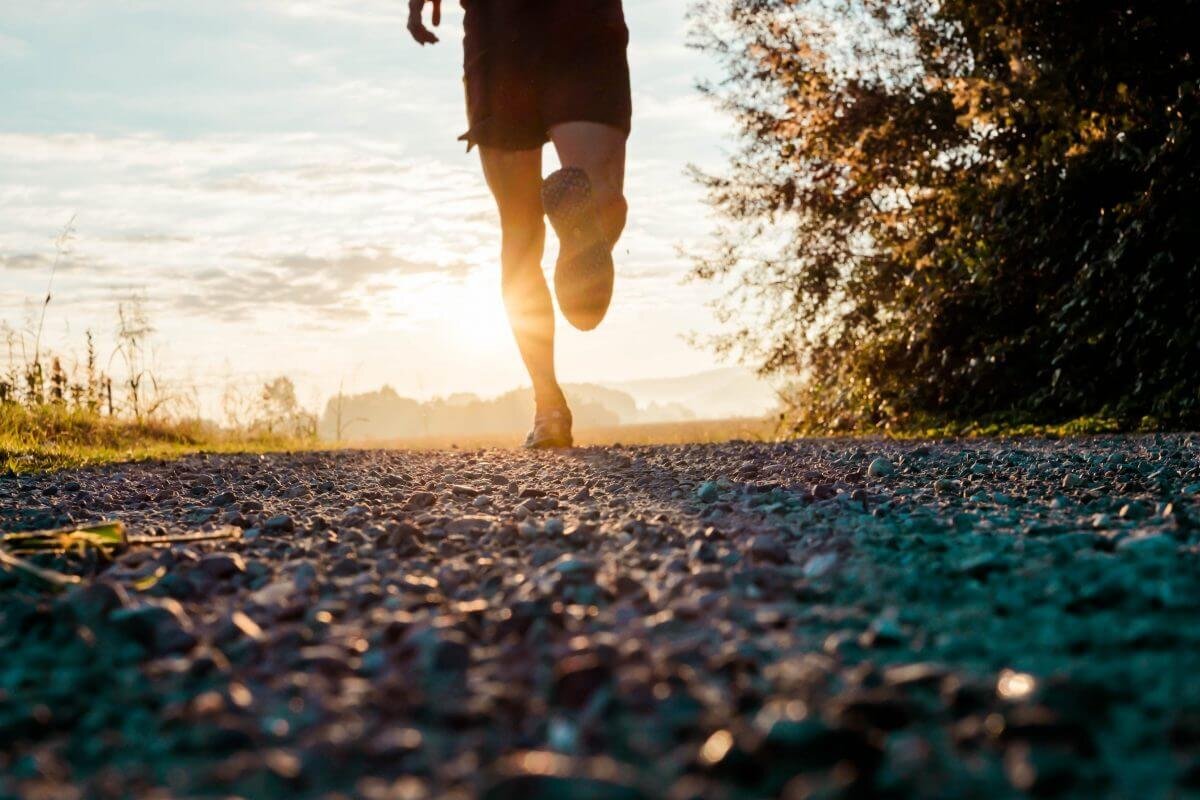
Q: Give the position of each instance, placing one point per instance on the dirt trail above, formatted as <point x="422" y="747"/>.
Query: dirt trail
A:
<point x="811" y="619"/>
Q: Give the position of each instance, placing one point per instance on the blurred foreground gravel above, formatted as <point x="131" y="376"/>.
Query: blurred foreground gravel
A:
<point x="813" y="619"/>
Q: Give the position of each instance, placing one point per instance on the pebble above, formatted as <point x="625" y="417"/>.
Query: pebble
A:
<point x="161" y="625"/>
<point x="881" y="468"/>
<point x="768" y="548"/>
<point x="820" y="565"/>
<point x="664" y="630"/>
<point x="281" y="523"/>
<point x="222" y="565"/>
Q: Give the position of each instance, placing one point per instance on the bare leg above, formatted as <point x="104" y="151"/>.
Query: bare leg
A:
<point x="599" y="150"/>
<point x="515" y="179"/>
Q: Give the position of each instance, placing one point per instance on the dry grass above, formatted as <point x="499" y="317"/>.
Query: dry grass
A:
<point x="692" y="432"/>
<point x="51" y="437"/>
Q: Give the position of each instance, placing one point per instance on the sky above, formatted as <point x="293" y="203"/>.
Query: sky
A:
<point x="280" y="182"/>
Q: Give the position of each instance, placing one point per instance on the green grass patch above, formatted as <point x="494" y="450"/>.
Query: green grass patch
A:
<point x="1000" y="425"/>
<point x="52" y="437"/>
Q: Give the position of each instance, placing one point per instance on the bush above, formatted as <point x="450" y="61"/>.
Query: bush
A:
<point x="962" y="209"/>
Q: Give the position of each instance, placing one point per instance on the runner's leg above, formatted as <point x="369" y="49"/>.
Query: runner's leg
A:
<point x="599" y="150"/>
<point x="515" y="178"/>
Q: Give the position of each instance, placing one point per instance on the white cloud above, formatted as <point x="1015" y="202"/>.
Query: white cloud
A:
<point x="11" y="47"/>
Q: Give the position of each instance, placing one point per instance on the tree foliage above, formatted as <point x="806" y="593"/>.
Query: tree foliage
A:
<point x="961" y="208"/>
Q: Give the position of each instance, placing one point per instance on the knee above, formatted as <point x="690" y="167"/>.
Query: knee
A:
<point x="522" y="245"/>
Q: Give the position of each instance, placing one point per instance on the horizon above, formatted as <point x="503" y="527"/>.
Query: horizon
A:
<point x="288" y="195"/>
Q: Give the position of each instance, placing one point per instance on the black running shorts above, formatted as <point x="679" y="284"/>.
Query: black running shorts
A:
<point x="532" y="64"/>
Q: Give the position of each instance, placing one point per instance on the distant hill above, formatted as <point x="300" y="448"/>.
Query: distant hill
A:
<point x="386" y="414"/>
<point x="714" y="394"/>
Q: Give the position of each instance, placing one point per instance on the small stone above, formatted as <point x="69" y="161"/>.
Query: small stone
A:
<point x="224" y="499"/>
<point x="445" y="653"/>
<point x="419" y="500"/>
<point x="345" y="567"/>
<point x="247" y="626"/>
<point x="404" y="537"/>
<point x="577" y="678"/>
<point x="1135" y="510"/>
<point x="305" y="577"/>
<point x="355" y="516"/>
<point x="981" y="564"/>
<point x="222" y="565"/>
<point x="575" y="568"/>
<point x="768" y="548"/>
<point x="824" y="491"/>
<point x="883" y="631"/>
<point x="469" y="524"/>
<point x="160" y="625"/>
<point x="881" y="468"/>
<point x="707" y="492"/>
<point x="554" y="526"/>
<point x="96" y="600"/>
<point x="553" y="776"/>
<point x="274" y="594"/>
<point x="199" y="516"/>
<point x="1151" y="544"/>
<point x="281" y="523"/>
<point x="820" y="565"/>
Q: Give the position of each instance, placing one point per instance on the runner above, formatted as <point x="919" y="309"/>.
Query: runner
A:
<point x="539" y="71"/>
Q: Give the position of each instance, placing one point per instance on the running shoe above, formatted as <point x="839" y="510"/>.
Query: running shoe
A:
<point x="551" y="428"/>
<point x="583" y="277"/>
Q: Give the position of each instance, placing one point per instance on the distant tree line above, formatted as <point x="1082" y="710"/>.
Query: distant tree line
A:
<point x="962" y="208"/>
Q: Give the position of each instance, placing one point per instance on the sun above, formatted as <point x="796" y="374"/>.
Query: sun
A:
<point x="463" y="313"/>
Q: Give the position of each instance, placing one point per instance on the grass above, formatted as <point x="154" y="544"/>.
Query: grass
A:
<point x="1008" y="425"/>
<point x="52" y="437"/>
<point x="48" y="438"/>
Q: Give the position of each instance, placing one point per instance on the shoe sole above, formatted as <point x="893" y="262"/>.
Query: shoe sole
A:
<point x="583" y="277"/>
<point x="549" y="444"/>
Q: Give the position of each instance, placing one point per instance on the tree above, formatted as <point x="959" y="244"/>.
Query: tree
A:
<point x="281" y="412"/>
<point x="961" y="208"/>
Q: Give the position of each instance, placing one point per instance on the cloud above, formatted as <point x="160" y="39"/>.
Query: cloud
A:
<point x="233" y="294"/>
<point x="40" y="264"/>
<point x="351" y="267"/>
<point x="30" y="261"/>
<point x="12" y="48"/>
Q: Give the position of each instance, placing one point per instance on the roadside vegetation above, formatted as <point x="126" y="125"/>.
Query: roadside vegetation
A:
<point x="61" y="410"/>
<point x="960" y="210"/>
<point x="48" y="437"/>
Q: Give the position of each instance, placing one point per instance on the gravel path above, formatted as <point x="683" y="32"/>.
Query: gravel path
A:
<point x="812" y="619"/>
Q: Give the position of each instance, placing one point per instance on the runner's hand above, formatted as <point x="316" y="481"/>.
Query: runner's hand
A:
<point x="416" y="27"/>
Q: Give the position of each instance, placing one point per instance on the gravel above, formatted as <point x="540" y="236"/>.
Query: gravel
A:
<point x="843" y="618"/>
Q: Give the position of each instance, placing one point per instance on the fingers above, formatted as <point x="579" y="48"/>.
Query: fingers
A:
<point x="437" y="13"/>
<point x="416" y="27"/>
